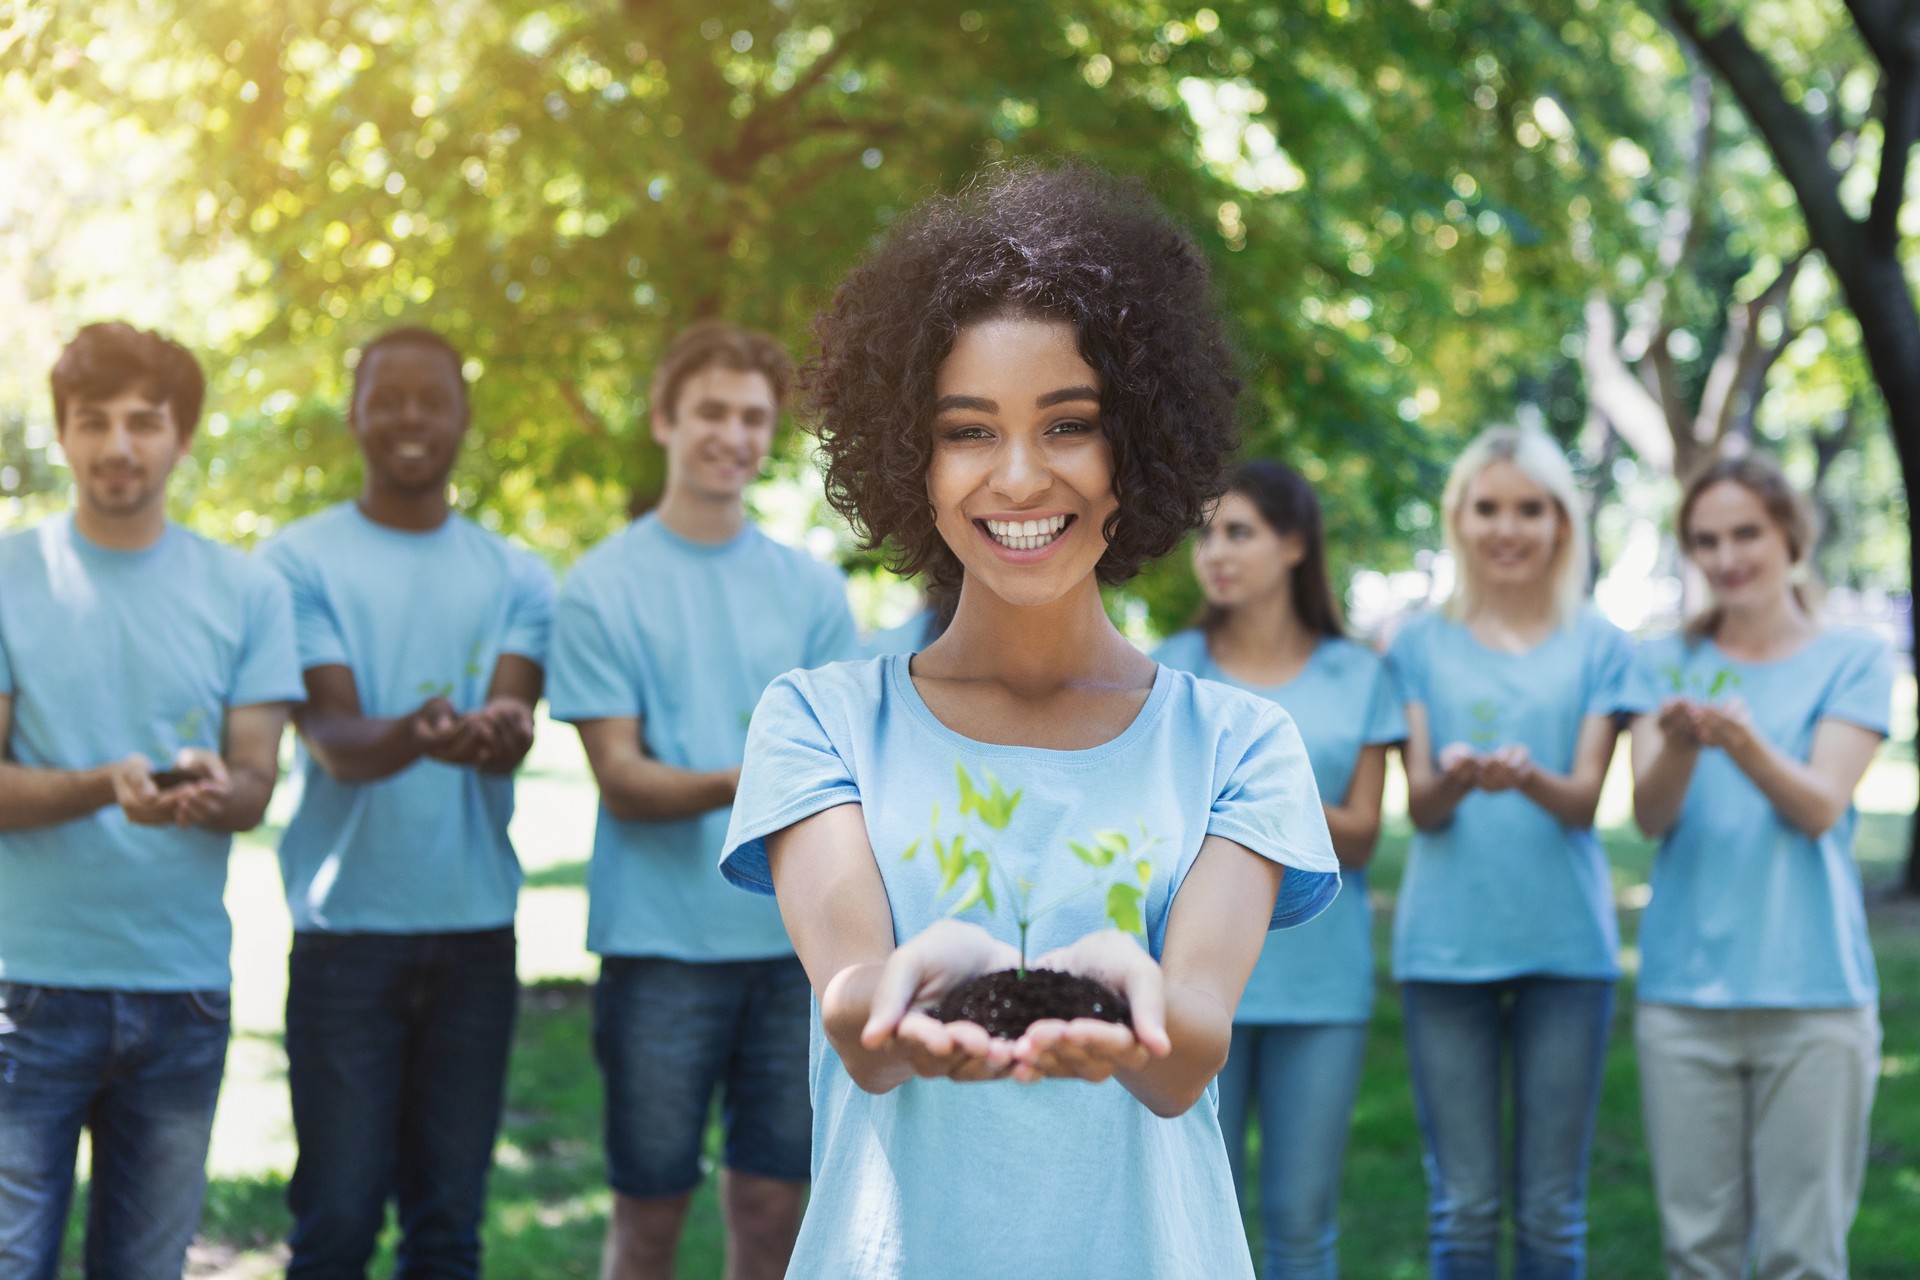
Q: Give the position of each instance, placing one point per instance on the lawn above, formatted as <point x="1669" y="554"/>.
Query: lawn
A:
<point x="549" y="1202"/>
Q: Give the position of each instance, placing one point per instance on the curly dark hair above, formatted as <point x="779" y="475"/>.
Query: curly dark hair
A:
<point x="105" y="359"/>
<point x="1068" y="243"/>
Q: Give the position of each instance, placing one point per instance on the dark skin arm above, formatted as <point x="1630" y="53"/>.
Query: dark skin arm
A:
<point x="635" y="787"/>
<point x="355" y="747"/>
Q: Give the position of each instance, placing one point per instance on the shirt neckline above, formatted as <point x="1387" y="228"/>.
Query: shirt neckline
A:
<point x="902" y="680"/>
<point x="1268" y="691"/>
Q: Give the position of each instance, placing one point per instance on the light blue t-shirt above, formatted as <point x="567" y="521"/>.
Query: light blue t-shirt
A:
<point x="1063" y="1178"/>
<point x="686" y="637"/>
<point x="411" y="615"/>
<point x="1505" y="889"/>
<point x="1749" y="911"/>
<point x="105" y="653"/>
<point x="1343" y="701"/>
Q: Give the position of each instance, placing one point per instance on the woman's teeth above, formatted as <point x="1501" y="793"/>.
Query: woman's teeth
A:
<point x="1025" y="535"/>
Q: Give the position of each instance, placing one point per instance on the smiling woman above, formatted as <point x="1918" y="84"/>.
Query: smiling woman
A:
<point x="1024" y="394"/>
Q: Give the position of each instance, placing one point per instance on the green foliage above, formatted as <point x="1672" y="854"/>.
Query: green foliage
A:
<point x="1701" y="684"/>
<point x="559" y="185"/>
<point x="1486" y="723"/>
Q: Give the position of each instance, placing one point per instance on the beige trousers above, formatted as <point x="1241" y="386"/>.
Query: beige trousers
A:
<point x="1757" y="1125"/>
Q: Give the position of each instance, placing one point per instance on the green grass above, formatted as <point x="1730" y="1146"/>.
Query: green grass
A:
<point x="549" y="1201"/>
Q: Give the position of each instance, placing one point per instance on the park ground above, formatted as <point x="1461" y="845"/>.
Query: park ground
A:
<point x="549" y="1200"/>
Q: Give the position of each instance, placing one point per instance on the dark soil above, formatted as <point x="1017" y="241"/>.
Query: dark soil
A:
<point x="165" y="778"/>
<point x="1006" y="1004"/>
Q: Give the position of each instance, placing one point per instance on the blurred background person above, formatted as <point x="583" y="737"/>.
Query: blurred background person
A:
<point x="1272" y="627"/>
<point x="1505" y="942"/>
<point x="1758" y="1028"/>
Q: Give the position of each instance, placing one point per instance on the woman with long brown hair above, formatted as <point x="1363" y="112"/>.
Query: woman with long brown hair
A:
<point x="1757" y="1027"/>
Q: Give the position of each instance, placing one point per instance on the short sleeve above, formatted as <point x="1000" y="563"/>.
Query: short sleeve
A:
<point x="1648" y="676"/>
<point x="1269" y="804"/>
<point x="792" y="770"/>
<point x="1862" y="689"/>
<point x="530" y="611"/>
<point x="833" y="637"/>
<point x="316" y="631"/>
<point x="6" y="670"/>
<point x="587" y="679"/>
<point x="269" y="668"/>
<point x="1407" y="660"/>
<point x="1387" y="712"/>
<point x="1611" y="687"/>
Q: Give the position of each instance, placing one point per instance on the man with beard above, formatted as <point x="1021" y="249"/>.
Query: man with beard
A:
<point x="145" y="675"/>
<point x="422" y="638"/>
<point x="665" y="637"/>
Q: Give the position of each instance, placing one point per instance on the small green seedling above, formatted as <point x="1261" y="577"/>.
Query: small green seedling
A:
<point x="1699" y="684"/>
<point x="444" y="688"/>
<point x="187" y="732"/>
<point x="435" y="689"/>
<point x="967" y="864"/>
<point x="1486" y="723"/>
<point x="473" y="658"/>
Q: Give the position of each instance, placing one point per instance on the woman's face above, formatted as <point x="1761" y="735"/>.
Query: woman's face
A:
<point x="1021" y="477"/>
<point x="1739" y="546"/>
<point x="1509" y="525"/>
<point x="1239" y="558"/>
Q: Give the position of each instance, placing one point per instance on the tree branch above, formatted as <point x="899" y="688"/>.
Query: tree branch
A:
<point x="1790" y="134"/>
<point x="592" y="423"/>
<point x="1617" y="395"/>
<point x="1899" y="128"/>
<point x="1739" y="371"/>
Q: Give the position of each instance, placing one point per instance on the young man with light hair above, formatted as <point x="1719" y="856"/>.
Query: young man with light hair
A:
<point x="665" y="636"/>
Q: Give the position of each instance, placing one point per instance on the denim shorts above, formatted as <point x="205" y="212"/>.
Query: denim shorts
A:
<point x="668" y="1034"/>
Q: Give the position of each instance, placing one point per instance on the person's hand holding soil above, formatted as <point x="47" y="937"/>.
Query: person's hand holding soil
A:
<point x="917" y="974"/>
<point x="138" y="797"/>
<point x="1507" y="768"/>
<point x="1726" y="725"/>
<point x="1089" y="1048"/>
<point x="443" y="734"/>
<point x="1677" y="724"/>
<point x="203" y="798"/>
<point x="1459" y="766"/>
<point x="509" y="723"/>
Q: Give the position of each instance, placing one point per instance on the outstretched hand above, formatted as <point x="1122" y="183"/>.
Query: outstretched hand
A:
<point x="1506" y="768"/>
<point x="915" y="977"/>
<point x="509" y="723"/>
<point x="1089" y="1048"/>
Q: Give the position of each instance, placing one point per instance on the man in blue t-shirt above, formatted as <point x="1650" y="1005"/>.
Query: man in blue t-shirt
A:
<point x="422" y="639"/>
<point x="665" y="637"/>
<point x="145" y="675"/>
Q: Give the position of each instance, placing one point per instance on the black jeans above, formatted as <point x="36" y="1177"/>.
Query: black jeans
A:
<point x="397" y="1060"/>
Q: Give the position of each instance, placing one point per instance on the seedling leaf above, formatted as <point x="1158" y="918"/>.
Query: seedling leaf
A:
<point x="911" y="850"/>
<point x="1123" y="908"/>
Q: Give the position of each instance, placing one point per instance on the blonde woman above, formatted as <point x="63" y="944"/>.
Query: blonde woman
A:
<point x="1757" y="1027"/>
<point x="1504" y="938"/>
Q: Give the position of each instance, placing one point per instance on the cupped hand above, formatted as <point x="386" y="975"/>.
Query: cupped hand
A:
<point x="1089" y="1048"/>
<point x="1459" y="765"/>
<point x="138" y="798"/>
<point x="1677" y="722"/>
<point x="443" y="734"/>
<point x="915" y="977"/>
<point x="1506" y="769"/>
<point x="510" y="725"/>
<point x="200" y="801"/>
<point x="1726" y="725"/>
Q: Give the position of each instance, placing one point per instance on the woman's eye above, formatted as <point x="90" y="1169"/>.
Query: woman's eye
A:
<point x="1483" y="508"/>
<point x="1072" y="426"/>
<point x="965" y="433"/>
<point x="1533" y="510"/>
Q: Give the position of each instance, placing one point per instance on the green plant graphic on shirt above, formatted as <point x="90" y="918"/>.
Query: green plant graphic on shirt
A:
<point x="967" y="864"/>
<point x="1701" y="685"/>
<point x="1486" y="723"/>
<point x="444" y="688"/>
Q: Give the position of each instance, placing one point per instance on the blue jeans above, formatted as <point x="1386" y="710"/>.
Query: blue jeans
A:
<point x="668" y="1033"/>
<point x="1304" y="1077"/>
<point x="1548" y="1036"/>
<point x="140" y="1071"/>
<point x="397" y="1061"/>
